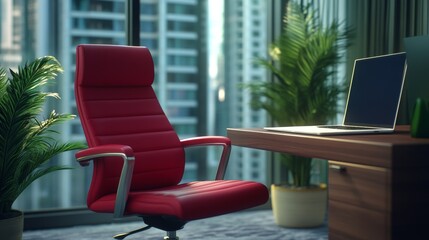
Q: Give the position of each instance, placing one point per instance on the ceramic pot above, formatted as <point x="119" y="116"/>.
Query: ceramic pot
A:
<point x="299" y="208"/>
<point x="11" y="228"/>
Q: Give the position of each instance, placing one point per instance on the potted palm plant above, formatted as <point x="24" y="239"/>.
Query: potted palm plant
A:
<point x="27" y="142"/>
<point x="302" y="92"/>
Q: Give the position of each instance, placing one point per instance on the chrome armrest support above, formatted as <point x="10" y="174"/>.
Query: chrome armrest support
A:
<point x="213" y="140"/>
<point x="124" y="152"/>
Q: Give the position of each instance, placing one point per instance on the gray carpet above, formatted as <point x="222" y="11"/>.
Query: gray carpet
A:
<point x="249" y="225"/>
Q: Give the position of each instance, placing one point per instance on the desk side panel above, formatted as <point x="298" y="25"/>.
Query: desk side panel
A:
<point x="410" y="202"/>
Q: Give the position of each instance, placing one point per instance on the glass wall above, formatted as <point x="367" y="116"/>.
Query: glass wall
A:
<point x="200" y="96"/>
<point x="203" y="50"/>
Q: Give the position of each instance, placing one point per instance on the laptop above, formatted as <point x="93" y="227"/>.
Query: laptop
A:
<point x="373" y="99"/>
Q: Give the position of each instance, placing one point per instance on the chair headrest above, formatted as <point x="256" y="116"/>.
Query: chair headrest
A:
<point x="113" y="65"/>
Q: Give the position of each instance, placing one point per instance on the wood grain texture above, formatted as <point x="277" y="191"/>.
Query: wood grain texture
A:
<point x="359" y="198"/>
<point x="382" y="150"/>
<point x="360" y="186"/>
<point x="352" y="222"/>
<point x="384" y="192"/>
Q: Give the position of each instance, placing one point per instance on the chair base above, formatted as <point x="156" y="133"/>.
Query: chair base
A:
<point x="167" y="223"/>
<point x="171" y="235"/>
<point x="124" y="235"/>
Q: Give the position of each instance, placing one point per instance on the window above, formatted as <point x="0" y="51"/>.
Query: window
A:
<point x="181" y="26"/>
<point x="149" y="43"/>
<point x="177" y="8"/>
<point x="182" y="94"/>
<point x="186" y="129"/>
<point x="174" y="60"/>
<point x="182" y="77"/>
<point x="98" y="6"/>
<point x="94" y="21"/>
<point x="182" y="110"/>
<point x="148" y="9"/>
<point x="180" y="41"/>
<point x="148" y="26"/>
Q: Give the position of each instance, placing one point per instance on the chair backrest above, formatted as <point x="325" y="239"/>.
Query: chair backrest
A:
<point x="117" y="105"/>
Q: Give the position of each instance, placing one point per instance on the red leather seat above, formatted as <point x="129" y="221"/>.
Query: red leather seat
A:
<point x="138" y="158"/>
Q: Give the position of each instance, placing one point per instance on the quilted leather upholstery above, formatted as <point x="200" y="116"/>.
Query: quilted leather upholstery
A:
<point x="120" y="107"/>
<point x="117" y="105"/>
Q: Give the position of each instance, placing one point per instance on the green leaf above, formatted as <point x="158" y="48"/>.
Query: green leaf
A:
<point x="28" y="143"/>
<point x="303" y="62"/>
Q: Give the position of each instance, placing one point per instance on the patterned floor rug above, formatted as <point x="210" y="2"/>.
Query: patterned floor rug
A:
<point x="248" y="225"/>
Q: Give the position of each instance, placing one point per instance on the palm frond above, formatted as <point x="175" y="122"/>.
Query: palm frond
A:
<point x="303" y="62"/>
<point x="3" y="82"/>
<point x="27" y="144"/>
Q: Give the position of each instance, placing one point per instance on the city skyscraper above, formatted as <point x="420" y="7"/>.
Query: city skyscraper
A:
<point x="245" y="40"/>
<point x="10" y="33"/>
<point x="176" y="32"/>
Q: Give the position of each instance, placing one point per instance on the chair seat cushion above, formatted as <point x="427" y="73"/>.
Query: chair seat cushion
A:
<point x="191" y="201"/>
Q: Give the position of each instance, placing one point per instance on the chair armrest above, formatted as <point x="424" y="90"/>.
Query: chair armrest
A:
<point x="110" y="150"/>
<point x="212" y="140"/>
<point x="113" y="150"/>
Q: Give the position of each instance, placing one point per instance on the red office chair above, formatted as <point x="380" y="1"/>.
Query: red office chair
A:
<point x="138" y="158"/>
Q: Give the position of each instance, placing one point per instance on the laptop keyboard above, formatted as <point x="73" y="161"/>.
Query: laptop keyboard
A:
<point x="345" y="127"/>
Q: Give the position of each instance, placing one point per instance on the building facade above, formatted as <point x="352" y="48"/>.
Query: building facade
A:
<point x="245" y="40"/>
<point x="176" y="32"/>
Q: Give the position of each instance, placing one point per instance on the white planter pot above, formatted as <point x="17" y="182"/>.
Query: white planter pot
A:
<point x="299" y="208"/>
<point x="12" y="228"/>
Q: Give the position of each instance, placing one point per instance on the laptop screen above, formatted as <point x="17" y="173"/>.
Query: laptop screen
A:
<point x="375" y="91"/>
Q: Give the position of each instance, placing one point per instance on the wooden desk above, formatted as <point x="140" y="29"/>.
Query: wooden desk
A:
<point x="382" y="191"/>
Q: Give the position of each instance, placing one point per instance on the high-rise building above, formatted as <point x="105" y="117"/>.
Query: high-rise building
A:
<point x="11" y="34"/>
<point x="176" y="33"/>
<point x="245" y="40"/>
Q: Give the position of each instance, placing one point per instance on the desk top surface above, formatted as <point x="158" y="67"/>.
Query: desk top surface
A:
<point x="398" y="149"/>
